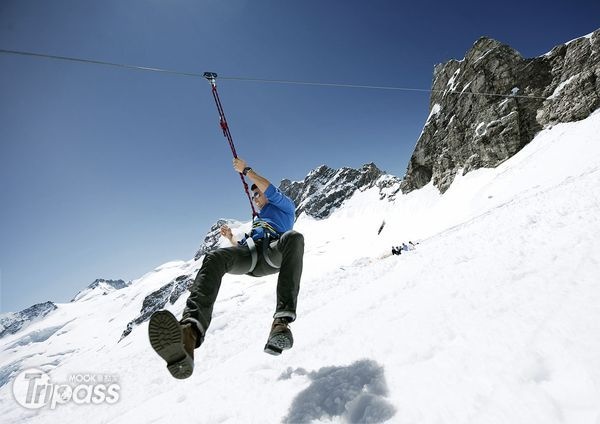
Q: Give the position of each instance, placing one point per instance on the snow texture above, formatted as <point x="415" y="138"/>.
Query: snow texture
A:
<point x="493" y="318"/>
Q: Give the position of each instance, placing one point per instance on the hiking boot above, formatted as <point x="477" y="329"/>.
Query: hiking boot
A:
<point x="280" y="337"/>
<point x="174" y="342"/>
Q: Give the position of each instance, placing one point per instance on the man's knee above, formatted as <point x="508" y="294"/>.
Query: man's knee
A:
<point x="215" y="255"/>
<point x="294" y="238"/>
<point x="215" y="259"/>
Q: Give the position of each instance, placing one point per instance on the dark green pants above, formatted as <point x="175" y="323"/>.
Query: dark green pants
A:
<point x="289" y="251"/>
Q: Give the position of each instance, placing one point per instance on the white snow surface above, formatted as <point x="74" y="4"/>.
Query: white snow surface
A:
<point x="493" y="318"/>
<point x="588" y="36"/>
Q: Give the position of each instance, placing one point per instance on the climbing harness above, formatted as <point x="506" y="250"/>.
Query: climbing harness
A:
<point x="268" y="245"/>
<point x="268" y="250"/>
<point x="212" y="78"/>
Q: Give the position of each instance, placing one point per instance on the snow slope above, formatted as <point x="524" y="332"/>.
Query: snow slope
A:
<point x="494" y="318"/>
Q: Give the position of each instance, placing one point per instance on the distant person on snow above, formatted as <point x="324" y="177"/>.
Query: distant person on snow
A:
<point x="397" y="250"/>
<point x="272" y="246"/>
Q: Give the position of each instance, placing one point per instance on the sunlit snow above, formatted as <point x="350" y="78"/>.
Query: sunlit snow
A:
<point x="494" y="318"/>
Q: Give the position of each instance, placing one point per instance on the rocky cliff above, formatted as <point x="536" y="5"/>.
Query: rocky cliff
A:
<point x="100" y="286"/>
<point x="211" y="240"/>
<point x="157" y="300"/>
<point x="325" y="189"/>
<point x="12" y="322"/>
<point x="486" y="107"/>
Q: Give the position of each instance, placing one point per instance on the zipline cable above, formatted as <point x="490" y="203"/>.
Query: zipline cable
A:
<point x="99" y="62"/>
<point x="270" y="81"/>
<point x="211" y="77"/>
<point x="381" y="87"/>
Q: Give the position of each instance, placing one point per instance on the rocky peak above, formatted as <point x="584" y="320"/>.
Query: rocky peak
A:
<point x="116" y="284"/>
<point x="12" y="322"/>
<point x="155" y="301"/>
<point x="488" y="46"/>
<point x="325" y="188"/>
<point x="100" y="285"/>
<point x="469" y="127"/>
<point x="212" y="238"/>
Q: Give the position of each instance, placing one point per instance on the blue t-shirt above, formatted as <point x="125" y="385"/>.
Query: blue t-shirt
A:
<point x="279" y="213"/>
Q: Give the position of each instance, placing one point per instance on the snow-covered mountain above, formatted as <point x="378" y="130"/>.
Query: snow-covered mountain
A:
<point x="494" y="318"/>
<point x="324" y="189"/>
<point x="12" y="322"/>
<point x="321" y="192"/>
<point x="100" y="286"/>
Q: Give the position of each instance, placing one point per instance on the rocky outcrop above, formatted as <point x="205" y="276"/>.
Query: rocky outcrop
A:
<point x="157" y="300"/>
<point x="325" y="188"/>
<point x="575" y="69"/>
<point x="100" y="286"/>
<point x="13" y="322"/>
<point x="322" y="191"/>
<point x="486" y="107"/>
<point x="212" y="238"/>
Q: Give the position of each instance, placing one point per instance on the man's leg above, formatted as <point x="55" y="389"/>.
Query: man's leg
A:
<point x="175" y="341"/>
<point x="291" y="246"/>
<point x="204" y="291"/>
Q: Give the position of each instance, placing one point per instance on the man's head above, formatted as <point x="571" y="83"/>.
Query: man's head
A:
<point x="258" y="197"/>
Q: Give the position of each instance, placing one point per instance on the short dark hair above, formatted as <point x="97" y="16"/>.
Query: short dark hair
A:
<point x="253" y="187"/>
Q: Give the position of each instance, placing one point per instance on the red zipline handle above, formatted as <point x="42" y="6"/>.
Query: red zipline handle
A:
<point x="211" y="77"/>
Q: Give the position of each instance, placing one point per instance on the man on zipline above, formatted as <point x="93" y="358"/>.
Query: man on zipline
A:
<point x="271" y="247"/>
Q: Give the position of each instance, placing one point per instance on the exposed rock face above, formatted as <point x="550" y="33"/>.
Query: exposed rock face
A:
<point x="100" y="286"/>
<point x="321" y="191"/>
<point x="13" y="322"/>
<point x="156" y="300"/>
<point x="116" y="284"/>
<point x="468" y="130"/>
<point x="325" y="189"/>
<point x="575" y="88"/>
<point x="211" y="240"/>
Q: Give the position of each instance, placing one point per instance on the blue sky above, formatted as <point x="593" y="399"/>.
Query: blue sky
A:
<point x="108" y="173"/>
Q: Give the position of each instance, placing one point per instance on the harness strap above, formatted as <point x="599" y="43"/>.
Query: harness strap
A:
<point x="253" y="253"/>
<point x="266" y="246"/>
<point x="272" y="232"/>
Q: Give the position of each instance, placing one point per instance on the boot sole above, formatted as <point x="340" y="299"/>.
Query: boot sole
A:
<point x="166" y="338"/>
<point x="278" y="343"/>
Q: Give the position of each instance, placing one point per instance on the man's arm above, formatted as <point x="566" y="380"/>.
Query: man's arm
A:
<point x="261" y="182"/>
